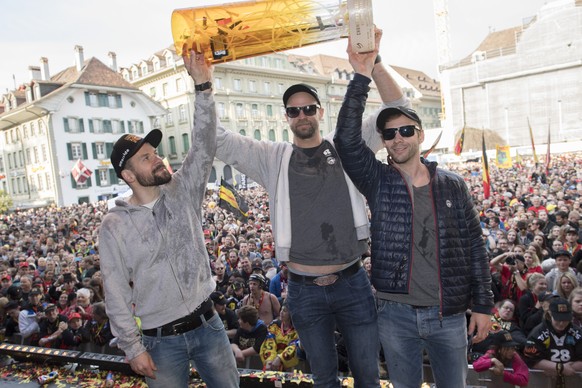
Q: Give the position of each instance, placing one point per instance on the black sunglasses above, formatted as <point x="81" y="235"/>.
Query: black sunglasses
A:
<point x="405" y="131"/>
<point x="308" y="110"/>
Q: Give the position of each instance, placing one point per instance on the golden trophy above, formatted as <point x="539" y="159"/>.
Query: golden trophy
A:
<point x="234" y="31"/>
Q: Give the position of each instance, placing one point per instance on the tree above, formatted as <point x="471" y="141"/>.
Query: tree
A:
<point x="5" y="202"/>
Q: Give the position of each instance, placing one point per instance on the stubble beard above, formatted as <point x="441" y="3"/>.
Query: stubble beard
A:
<point x="160" y="176"/>
<point x="307" y="131"/>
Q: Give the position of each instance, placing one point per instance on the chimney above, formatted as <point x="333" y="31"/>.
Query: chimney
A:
<point x="79" y="59"/>
<point x="44" y="69"/>
<point x="34" y="72"/>
<point x="112" y="61"/>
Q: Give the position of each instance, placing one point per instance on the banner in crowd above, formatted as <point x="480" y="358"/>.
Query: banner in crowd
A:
<point x="80" y="172"/>
<point x="459" y="144"/>
<point x="230" y="200"/>
<point x="533" y="146"/>
<point x="503" y="157"/>
<point x="486" y="179"/>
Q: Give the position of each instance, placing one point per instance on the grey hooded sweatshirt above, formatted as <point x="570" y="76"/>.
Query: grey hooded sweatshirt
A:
<point x="154" y="262"/>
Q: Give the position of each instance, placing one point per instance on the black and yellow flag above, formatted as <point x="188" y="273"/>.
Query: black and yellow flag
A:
<point x="231" y="201"/>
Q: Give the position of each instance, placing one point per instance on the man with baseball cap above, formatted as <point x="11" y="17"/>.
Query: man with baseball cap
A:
<point x="320" y="227"/>
<point x="429" y="263"/>
<point x="154" y="261"/>
<point x="555" y="345"/>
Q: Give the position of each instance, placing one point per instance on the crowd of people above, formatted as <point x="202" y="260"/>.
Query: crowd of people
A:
<point x="52" y="293"/>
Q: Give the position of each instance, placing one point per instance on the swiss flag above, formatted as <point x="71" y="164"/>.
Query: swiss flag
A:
<point x="80" y="172"/>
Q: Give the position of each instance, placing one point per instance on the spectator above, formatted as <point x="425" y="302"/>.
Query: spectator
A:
<point x="11" y="325"/>
<point x="501" y="355"/>
<point x="250" y="335"/>
<point x="52" y="327"/>
<point x="279" y="283"/>
<point x="228" y="316"/>
<point x="98" y="326"/>
<point x="565" y="284"/>
<point x="74" y="335"/>
<point x="280" y="349"/>
<point x="555" y="346"/>
<point x="575" y="300"/>
<point x="220" y="276"/>
<point x="266" y="303"/>
<point x="512" y="269"/>
<point x="503" y="318"/>
<point x="32" y="312"/>
<point x="529" y="302"/>
<point x="563" y="259"/>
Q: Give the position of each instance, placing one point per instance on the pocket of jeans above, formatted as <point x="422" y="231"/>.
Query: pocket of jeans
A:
<point x="215" y="323"/>
<point x="381" y="304"/>
<point x="359" y="281"/>
<point x="149" y="342"/>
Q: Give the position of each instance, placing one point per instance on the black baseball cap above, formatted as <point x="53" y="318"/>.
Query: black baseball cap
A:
<point x="560" y="309"/>
<point x="127" y="145"/>
<point x="383" y="116"/>
<point x="562" y="252"/>
<point x="503" y="338"/>
<point x="300" y="88"/>
<point x="218" y="298"/>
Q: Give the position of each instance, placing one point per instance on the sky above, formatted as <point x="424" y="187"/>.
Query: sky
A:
<point x="135" y="29"/>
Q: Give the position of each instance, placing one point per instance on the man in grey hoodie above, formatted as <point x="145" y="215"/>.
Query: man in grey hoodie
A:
<point x="153" y="259"/>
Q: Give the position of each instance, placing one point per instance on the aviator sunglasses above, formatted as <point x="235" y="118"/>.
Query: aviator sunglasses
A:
<point x="308" y="110"/>
<point x="405" y="131"/>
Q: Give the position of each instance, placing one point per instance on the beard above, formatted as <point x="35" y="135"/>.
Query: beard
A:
<point x="307" y="131"/>
<point x="400" y="158"/>
<point x="160" y="176"/>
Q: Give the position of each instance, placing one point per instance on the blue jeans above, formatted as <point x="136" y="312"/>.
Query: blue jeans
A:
<point x="406" y="331"/>
<point x="207" y="347"/>
<point x="349" y="305"/>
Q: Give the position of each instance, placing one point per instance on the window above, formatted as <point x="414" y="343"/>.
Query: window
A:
<point x="153" y="92"/>
<point x="267" y="88"/>
<point x="76" y="151"/>
<point x="269" y="110"/>
<point x="49" y="182"/>
<point x="32" y="129"/>
<point x="117" y="126"/>
<point x="240" y="111"/>
<point x="28" y="160"/>
<point x="272" y="135"/>
<point x="100" y="150"/>
<point x="280" y="88"/>
<point x="103" y="177"/>
<point x="242" y="132"/>
<point x="144" y="69"/>
<point x="278" y="63"/>
<point x="164" y="89"/>
<point x="185" y="142"/>
<point x="252" y="86"/>
<point x="95" y="126"/>
<point x="172" y="142"/>
<point x="135" y="126"/>
<point x="179" y="85"/>
<point x="156" y="65"/>
<point x="40" y="182"/>
<point x="44" y="153"/>
<point x="35" y="153"/>
<point x="156" y="122"/>
<point x="285" y="135"/>
<point x="134" y="74"/>
<point x="218" y="83"/>
<point x="114" y="100"/>
<point x="257" y="134"/>
<point x="182" y="113"/>
<point x="221" y="110"/>
<point x="169" y="119"/>
<point x="40" y="127"/>
<point x="21" y="158"/>
<point x="73" y="125"/>
<point x="237" y="85"/>
<point x="255" y="111"/>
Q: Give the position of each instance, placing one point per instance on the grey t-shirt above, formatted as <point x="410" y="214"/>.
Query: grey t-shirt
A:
<point x="322" y="221"/>
<point x="424" y="282"/>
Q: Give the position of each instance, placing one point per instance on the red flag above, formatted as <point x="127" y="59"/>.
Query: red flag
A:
<point x="486" y="180"/>
<point x="80" y="172"/>
<point x="459" y="145"/>
<point x="548" y="155"/>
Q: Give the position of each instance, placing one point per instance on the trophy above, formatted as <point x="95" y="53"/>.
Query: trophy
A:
<point x="234" y="31"/>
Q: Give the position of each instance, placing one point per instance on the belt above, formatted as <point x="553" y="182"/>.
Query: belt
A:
<point x="326" y="280"/>
<point x="187" y="323"/>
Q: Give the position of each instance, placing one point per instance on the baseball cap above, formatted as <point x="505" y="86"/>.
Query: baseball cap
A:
<point x="560" y="309"/>
<point x="300" y="88"/>
<point x="50" y="307"/>
<point x="11" y="305"/>
<point x="6" y="277"/>
<point x="35" y="291"/>
<point x="503" y="339"/>
<point x="74" y="316"/>
<point x="23" y="264"/>
<point x="545" y="296"/>
<point x="127" y="145"/>
<point x="383" y="116"/>
<point x="570" y="229"/>
<point x="218" y="298"/>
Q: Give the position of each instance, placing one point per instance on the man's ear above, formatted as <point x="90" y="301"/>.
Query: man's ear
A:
<point x="127" y="175"/>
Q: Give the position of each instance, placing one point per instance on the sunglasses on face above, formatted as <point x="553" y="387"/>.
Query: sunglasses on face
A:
<point x="405" y="131"/>
<point x="308" y="110"/>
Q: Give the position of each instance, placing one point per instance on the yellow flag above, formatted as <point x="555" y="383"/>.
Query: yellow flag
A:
<point x="503" y="159"/>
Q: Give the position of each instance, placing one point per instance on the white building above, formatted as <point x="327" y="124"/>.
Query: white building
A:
<point x="51" y="122"/>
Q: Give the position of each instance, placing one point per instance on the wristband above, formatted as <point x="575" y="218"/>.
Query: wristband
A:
<point x="202" y="87"/>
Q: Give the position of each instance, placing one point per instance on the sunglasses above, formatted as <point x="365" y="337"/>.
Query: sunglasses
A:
<point x="405" y="131"/>
<point x="308" y="110"/>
